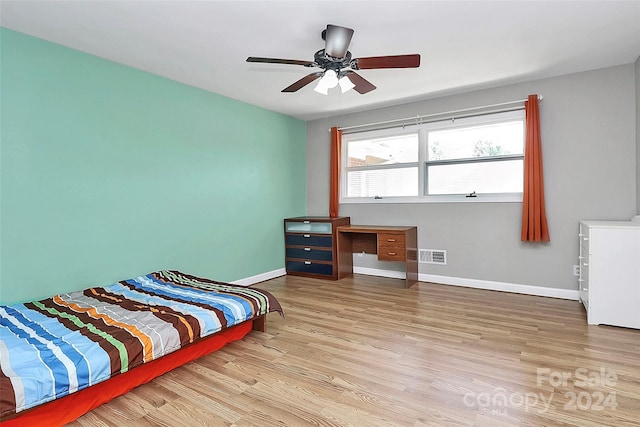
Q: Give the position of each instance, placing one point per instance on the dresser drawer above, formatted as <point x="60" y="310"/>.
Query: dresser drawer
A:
<point x="308" y="240"/>
<point x="308" y="227"/>
<point x="584" y="269"/>
<point x="310" y="253"/>
<point x="584" y="295"/>
<point x="584" y="239"/>
<point x="309" y="267"/>
<point x="391" y="247"/>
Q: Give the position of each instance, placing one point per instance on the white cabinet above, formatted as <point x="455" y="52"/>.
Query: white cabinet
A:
<point x="610" y="272"/>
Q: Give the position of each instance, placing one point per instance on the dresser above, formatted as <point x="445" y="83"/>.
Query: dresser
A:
<point x="609" y="273"/>
<point x="310" y="246"/>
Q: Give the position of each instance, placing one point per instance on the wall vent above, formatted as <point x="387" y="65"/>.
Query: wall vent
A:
<point x="433" y="256"/>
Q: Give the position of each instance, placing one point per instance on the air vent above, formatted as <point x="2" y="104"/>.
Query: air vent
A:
<point x="433" y="256"/>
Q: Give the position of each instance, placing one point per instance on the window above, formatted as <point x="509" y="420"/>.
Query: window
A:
<point x="383" y="167"/>
<point x="442" y="161"/>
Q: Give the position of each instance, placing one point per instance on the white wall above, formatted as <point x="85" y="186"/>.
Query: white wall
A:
<point x="588" y="125"/>
<point x="637" y="69"/>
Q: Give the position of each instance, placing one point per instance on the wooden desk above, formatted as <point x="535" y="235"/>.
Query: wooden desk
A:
<point x="391" y="243"/>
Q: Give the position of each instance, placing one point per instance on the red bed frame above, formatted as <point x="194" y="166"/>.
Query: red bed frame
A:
<point x="71" y="407"/>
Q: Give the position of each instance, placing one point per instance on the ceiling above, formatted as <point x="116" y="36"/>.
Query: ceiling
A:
<point x="465" y="45"/>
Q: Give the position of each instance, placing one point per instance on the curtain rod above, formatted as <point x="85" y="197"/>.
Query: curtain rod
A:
<point x="418" y="119"/>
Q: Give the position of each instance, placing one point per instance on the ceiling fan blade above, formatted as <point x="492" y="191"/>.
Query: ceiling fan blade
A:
<point x="337" y="40"/>
<point x="303" y="82"/>
<point x="280" y="61"/>
<point x="395" y="61"/>
<point x="362" y="85"/>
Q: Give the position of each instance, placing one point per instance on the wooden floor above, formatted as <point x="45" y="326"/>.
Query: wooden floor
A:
<point x="364" y="351"/>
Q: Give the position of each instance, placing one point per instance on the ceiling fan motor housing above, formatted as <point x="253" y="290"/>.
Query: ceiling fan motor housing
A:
<point x="327" y="62"/>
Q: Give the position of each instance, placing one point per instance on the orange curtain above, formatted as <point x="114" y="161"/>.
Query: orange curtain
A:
<point x="334" y="178"/>
<point x="534" y="218"/>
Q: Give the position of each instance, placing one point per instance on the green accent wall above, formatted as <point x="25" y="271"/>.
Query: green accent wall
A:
<point x="108" y="172"/>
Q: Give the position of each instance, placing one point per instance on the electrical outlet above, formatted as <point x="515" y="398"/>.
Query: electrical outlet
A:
<point x="576" y="270"/>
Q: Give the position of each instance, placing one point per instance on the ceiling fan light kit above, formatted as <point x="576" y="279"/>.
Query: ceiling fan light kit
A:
<point x="346" y="84"/>
<point x="329" y="80"/>
<point x="321" y="88"/>
<point x="337" y="65"/>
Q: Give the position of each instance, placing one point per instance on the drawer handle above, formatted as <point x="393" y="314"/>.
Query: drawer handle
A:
<point x="392" y="253"/>
<point x="585" y="289"/>
<point x="585" y="263"/>
<point x="580" y="280"/>
<point x="306" y="222"/>
<point x="391" y="240"/>
<point x="306" y="236"/>
<point x="308" y="262"/>
<point x="307" y="249"/>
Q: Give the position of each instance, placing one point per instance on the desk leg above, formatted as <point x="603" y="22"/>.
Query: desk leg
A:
<point x="412" y="273"/>
<point x="412" y="257"/>
<point x="345" y="255"/>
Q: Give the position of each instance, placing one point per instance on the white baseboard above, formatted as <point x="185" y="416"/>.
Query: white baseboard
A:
<point x="378" y="272"/>
<point x="476" y="283"/>
<point x="442" y="280"/>
<point x="248" y="281"/>
<point x="501" y="286"/>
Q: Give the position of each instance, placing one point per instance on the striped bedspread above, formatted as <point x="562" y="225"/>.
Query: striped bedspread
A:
<point x="57" y="346"/>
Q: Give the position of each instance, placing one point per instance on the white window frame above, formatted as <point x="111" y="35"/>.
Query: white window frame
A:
<point x="422" y="131"/>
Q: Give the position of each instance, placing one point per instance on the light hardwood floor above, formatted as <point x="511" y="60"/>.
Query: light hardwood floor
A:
<point x="364" y="351"/>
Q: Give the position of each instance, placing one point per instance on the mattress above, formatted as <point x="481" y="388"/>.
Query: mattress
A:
<point x="58" y="346"/>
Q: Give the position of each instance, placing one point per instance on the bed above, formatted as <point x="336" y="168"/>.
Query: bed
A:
<point x="62" y="356"/>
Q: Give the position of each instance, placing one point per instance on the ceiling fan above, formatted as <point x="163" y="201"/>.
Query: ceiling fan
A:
<point x="338" y="66"/>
